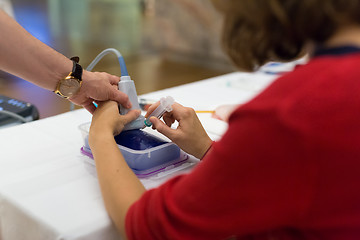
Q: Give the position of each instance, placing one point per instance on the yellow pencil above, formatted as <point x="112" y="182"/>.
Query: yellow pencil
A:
<point x="205" y="111"/>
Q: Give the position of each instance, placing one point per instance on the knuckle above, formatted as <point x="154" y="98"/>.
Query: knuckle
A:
<point x="126" y="97"/>
<point x="159" y="128"/>
<point x="189" y="112"/>
<point x="112" y="94"/>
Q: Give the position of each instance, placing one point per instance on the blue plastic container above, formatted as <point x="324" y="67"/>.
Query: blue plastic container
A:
<point x="145" y="153"/>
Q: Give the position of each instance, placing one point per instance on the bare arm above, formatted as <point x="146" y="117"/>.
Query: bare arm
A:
<point x="23" y="55"/>
<point x="119" y="185"/>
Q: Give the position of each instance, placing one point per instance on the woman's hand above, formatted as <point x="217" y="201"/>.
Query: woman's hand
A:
<point x="223" y="112"/>
<point x="190" y="135"/>
<point x="99" y="86"/>
<point x="107" y="119"/>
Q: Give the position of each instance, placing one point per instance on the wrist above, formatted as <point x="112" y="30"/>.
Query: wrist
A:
<point x="101" y="130"/>
<point x="62" y="70"/>
<point x="70" y="85"/>
<point x="100" y="134"/>
<point x="205" y="149"/>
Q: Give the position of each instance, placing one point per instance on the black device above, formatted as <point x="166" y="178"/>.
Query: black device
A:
<point x="14" y="111"/>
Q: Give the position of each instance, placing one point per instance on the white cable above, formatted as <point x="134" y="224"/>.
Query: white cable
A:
<point x="101" y="55"/>
<point x="14" y="115"/>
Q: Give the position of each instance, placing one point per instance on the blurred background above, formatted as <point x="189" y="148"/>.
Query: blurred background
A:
<point x="164" y="43"/>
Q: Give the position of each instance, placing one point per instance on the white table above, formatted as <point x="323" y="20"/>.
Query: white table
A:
<point x="47" y="188"/>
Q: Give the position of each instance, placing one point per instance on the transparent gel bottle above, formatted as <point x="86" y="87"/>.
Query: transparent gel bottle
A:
<point x="165" y="106"/>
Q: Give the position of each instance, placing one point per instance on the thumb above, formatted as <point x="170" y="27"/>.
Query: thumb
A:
<point x="162" y="128"/>
<point x="131" y="116"/>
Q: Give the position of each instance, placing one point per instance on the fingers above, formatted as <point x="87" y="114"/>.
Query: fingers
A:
<point x="178" y="110"/>
<point x="163" y="128"/>
<point x="114" y="80"/>
<point x="176" y="107"/>
<point x="152" y="108"/>
<point x="100" y="86"/>
<point x="130" y="116"/>
<point x="168" y="119"/>
<point x="120" y="97"/>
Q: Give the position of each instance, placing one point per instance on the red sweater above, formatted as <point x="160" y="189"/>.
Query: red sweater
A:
<point x="287" y="168"/>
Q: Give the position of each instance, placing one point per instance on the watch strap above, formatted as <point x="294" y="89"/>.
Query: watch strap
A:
<point x="77" y="69"/>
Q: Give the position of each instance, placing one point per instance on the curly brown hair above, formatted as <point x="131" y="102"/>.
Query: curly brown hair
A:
<point x="258" y="31"/>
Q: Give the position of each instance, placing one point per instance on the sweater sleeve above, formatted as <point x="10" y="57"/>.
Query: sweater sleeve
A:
<point x="254" y="179"/>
